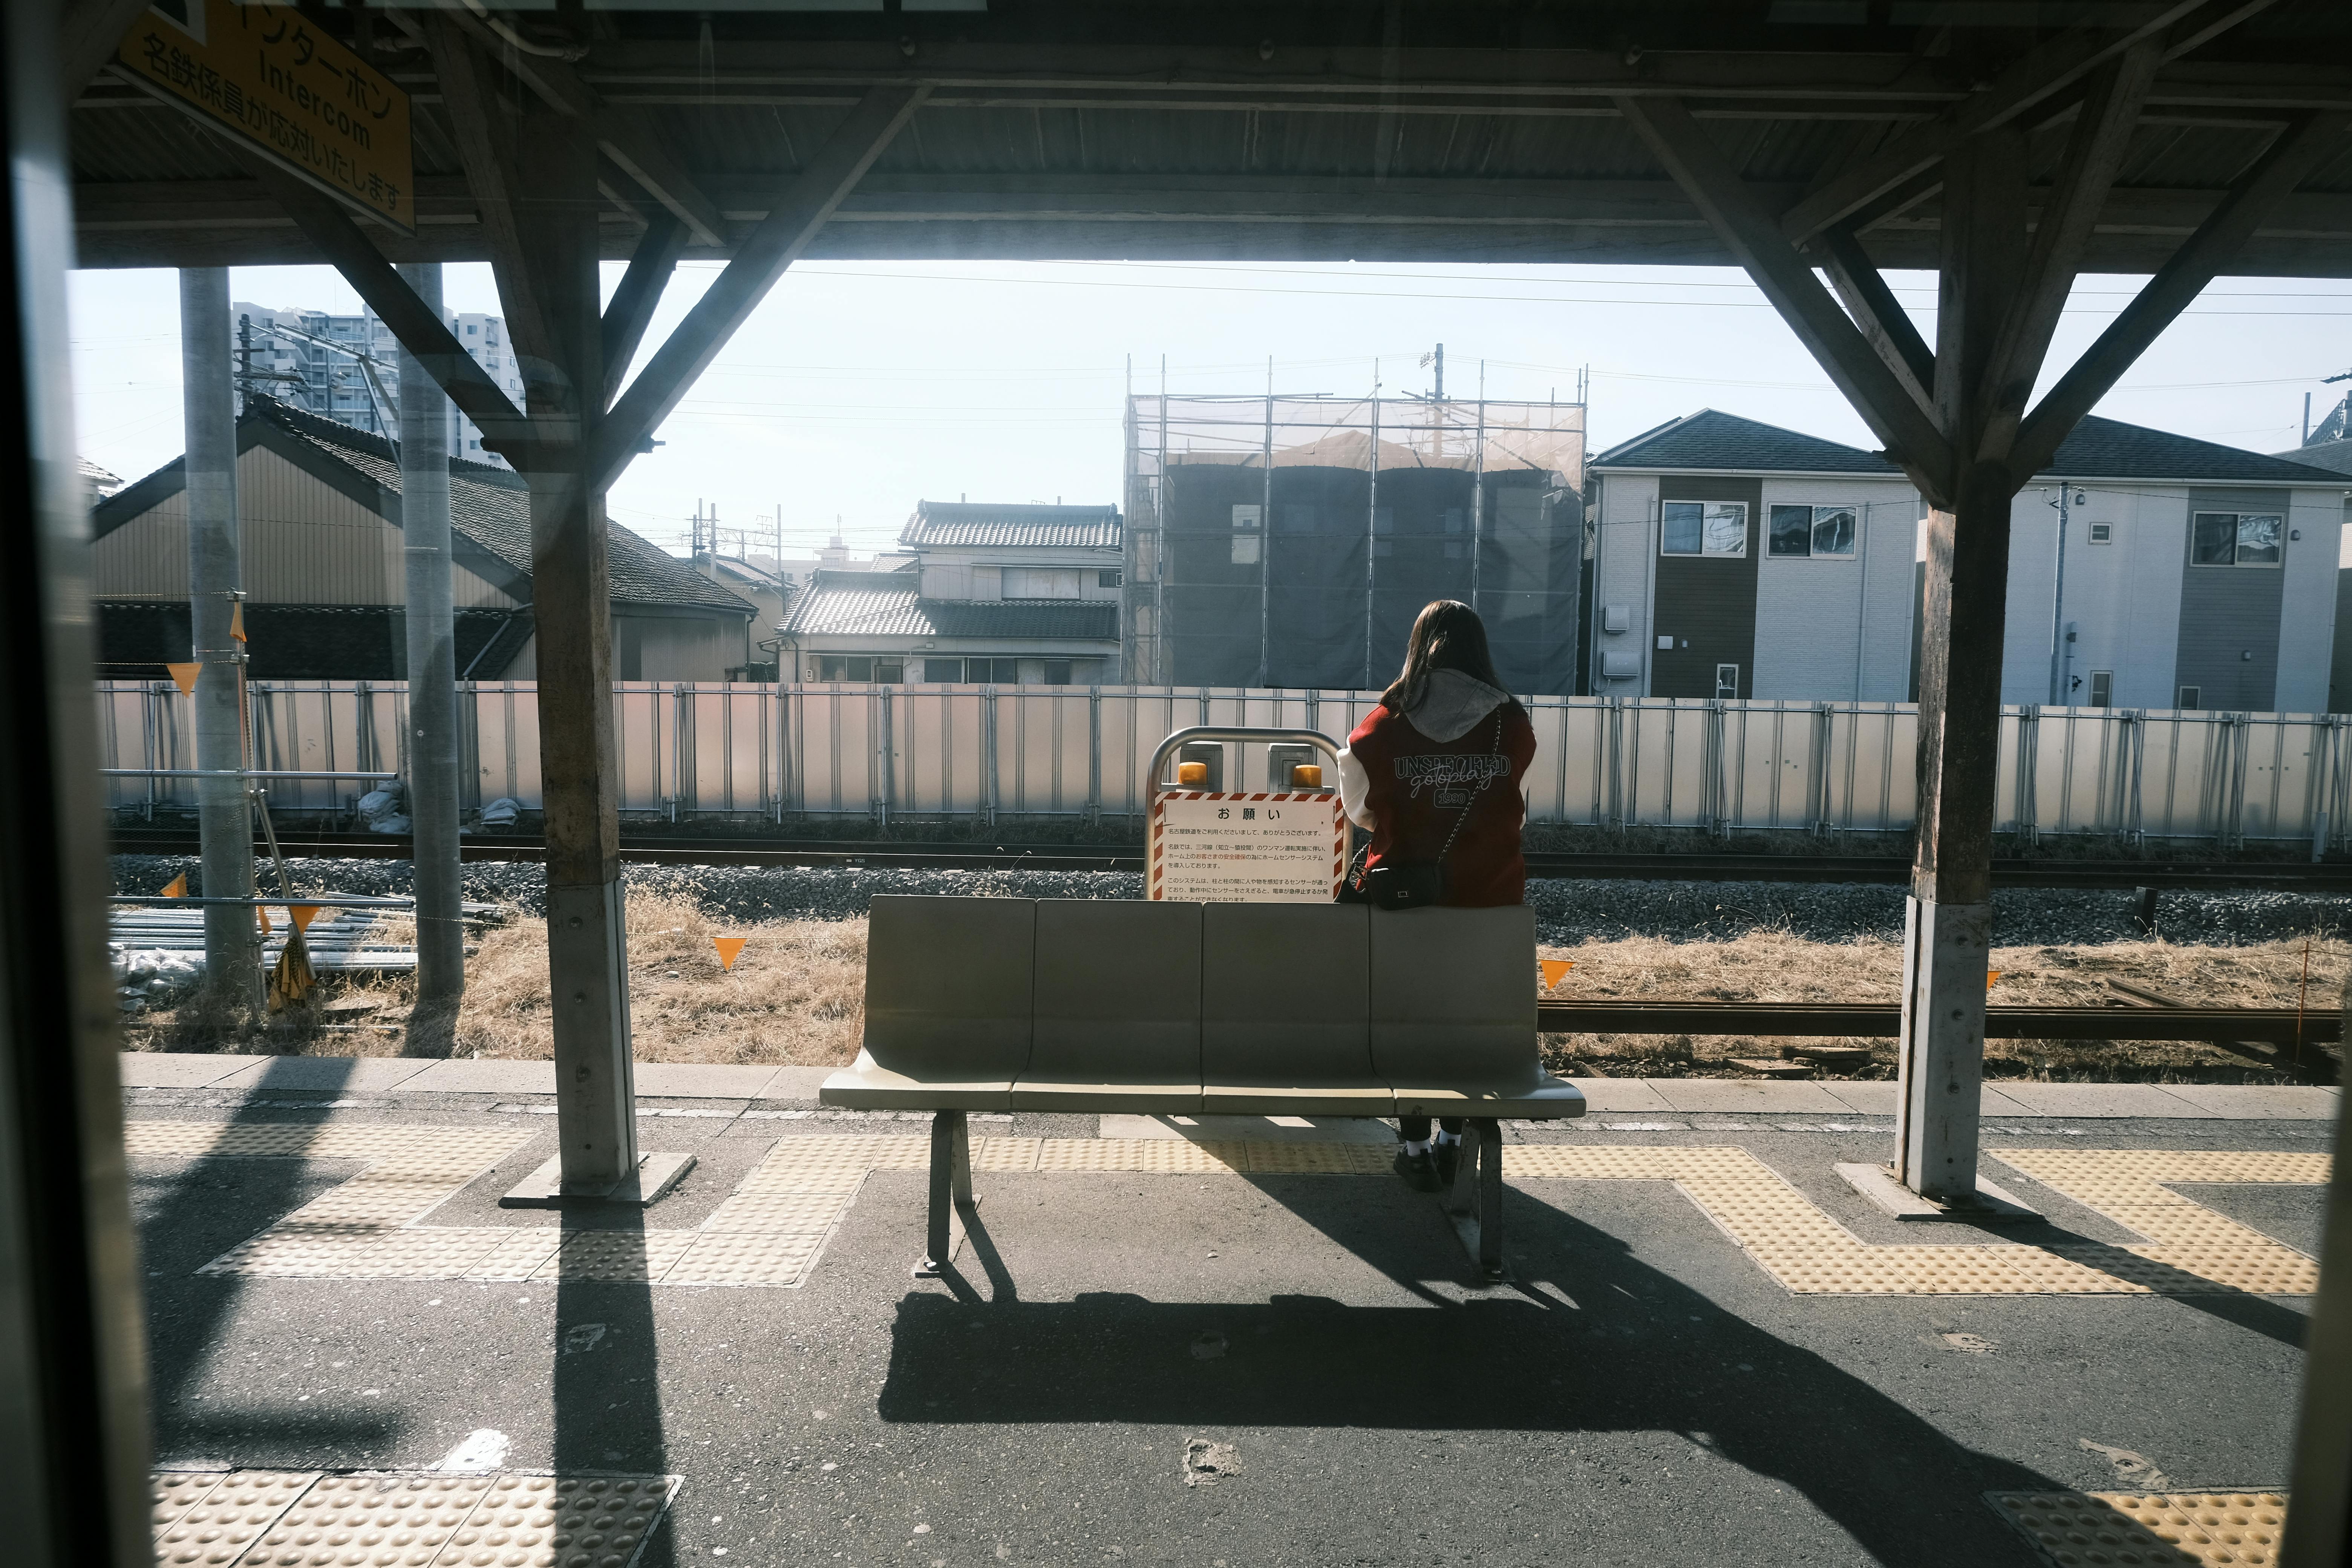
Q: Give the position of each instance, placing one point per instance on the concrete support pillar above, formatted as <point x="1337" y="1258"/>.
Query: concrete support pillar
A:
<point x="432" y="689"/>
<point x="587" y="939"/>
<point x="232" y="965"/>
<point x="1949" y="934"/>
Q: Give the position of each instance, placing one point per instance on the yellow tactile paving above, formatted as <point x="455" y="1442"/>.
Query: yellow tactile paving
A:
<point x="231" y="1516"/>
<point x="375" y="1520"/>
<point x="770" y="1228"/>
<point x="260" y="1519"/>
<point x="2176" y="1529"/>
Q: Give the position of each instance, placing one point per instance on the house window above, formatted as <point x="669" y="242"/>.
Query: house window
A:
<point x="2102" y="534"/>
<point x="2191" y="699"/>
<point x="2235" y="538"/>
<point x="1057" y="672"/>
<point x="1808" y="530"/>
<point x="859" y="667"/>
<point x="1727" y="682"/>
<point x="943" y="671"/>
<point x="1109" y="579"/>
<point x="991" y="671"/>
<point x="2103" y="688"/>
<point x="1040" y="583"/>
<point x="1703" y="528"/>
<point x="890" y="671"/>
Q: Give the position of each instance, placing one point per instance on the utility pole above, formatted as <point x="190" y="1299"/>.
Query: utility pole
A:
<point x="1439" y="391"/>
<point x="431" y="689"/>
<point x="2058" y="602"/>
<point x="225" y="823"/>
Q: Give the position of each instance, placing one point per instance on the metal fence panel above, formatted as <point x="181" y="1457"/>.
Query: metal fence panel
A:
<point x="930" y="751"/>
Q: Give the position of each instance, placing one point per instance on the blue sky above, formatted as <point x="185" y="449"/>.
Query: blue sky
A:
<point x="860" y="387"/>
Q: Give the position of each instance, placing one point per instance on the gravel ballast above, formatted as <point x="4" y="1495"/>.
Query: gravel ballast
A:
<point x="1567" y="911"/>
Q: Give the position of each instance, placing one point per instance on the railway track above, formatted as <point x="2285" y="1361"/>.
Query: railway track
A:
<point x="980" y="856"/>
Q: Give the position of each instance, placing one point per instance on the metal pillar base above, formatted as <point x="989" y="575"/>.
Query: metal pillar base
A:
<point x="1476" y="1203"/>
<point x="951" y="1193"/>
<point x="544" y="1188"/>
<point x="1945" y="949"/>
<point x="1991" y="1204"/>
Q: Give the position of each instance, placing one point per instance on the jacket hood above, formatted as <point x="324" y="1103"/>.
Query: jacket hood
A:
<point x="1451" y="704"/>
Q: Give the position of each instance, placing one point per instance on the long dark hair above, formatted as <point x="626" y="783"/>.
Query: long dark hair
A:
<point x="1446" y="635"/>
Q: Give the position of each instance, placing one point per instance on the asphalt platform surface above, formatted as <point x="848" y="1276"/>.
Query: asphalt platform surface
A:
<point x="1644" y="1394"/>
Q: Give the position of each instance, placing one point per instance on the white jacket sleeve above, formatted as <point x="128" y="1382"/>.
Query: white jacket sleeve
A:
<point x="1355" y="791"/>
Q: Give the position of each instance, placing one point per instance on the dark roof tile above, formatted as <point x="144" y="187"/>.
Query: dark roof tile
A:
<point x="990" y="526"/>
<point x="882" y="605"/>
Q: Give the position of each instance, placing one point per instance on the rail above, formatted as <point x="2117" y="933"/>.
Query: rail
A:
<point x="1613" y="1016"/>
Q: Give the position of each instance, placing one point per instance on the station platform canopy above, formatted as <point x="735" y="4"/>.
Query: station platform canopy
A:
<point x="1403" y="132"/>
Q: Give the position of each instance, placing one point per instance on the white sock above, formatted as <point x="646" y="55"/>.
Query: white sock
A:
<point x="1445" y="1137"/>
<point x="1416" y="1146"/>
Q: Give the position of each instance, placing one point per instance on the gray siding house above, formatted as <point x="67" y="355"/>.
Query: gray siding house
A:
<point x="1738" y="559"/>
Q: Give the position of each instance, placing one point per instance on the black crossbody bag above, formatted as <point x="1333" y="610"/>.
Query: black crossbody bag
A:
<point x="1412" y="884"/>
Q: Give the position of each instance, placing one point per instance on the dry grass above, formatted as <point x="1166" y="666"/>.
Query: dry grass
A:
<point x="1775" y="966"/>
<point x="796" y="995"/>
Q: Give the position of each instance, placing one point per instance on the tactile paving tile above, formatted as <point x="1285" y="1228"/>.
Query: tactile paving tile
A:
<point x="2076" y="1530"/>
<point x="729" y="1259"/>
<point x="519" y="1256"/>
<point x="2191" y="1249"/>
<point x="1316" y="1159"/>
<point x="1155" y="1156"/>
<point x="1007" y="1154"/>
<point x="395" y="1521"/>
<point x="780" y="1213"/>
<point x="560" y="1522"/>
<point x="231" y="1517"/>
<point x="618" y="1255"/>
<point x="174" y="1492"/>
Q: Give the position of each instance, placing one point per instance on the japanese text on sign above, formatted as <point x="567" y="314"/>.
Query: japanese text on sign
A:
<point x="1246" y="848"/>
<point x="267" y="73"/>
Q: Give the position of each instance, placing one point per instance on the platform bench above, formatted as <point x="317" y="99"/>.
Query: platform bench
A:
<point x="1157" y="1008"/>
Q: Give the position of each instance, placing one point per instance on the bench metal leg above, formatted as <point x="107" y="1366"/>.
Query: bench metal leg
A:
<point x="1476" y="1203"/>
<point x="950" y="1190"/>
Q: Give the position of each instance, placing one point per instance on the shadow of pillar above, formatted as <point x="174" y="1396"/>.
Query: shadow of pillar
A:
<point x="606" y="1374"/>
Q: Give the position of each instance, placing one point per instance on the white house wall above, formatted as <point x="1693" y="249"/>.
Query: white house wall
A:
<point x="2307" y="615"/>
<point x="2124" y="597"/>
<point x="1629" y="503"/>
<point x="1821" y="619"/>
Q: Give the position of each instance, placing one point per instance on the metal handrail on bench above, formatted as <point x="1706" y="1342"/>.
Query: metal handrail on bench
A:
<point x="1247" y="734"/>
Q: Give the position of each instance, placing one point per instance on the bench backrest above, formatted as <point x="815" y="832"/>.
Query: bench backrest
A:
<point x="948" y="985"/>
<point x="1283" y="994"/>
<point x="1119" y="986"/>
<point x="1453" y="995"/>
<point x="1148" y="992"/>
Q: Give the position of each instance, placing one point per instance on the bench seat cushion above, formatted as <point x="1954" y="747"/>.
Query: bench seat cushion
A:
<point x="867" y="1086"/>
<point x="1542" y="1098"/>
<point x="1304" y="1099"/>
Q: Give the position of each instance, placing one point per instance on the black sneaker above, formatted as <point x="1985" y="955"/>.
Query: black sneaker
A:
<point x="1419" y="1172"/>
<point x="1447" y="1159"/>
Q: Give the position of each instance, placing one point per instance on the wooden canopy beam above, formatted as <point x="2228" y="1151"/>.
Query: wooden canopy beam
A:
<point x="2078" y="194"/>
<point x="2271" y="179"/>
<point x="1874" y="308"/>
<point x="325" y="223"/>
<point x="631" y="309"/>
<point x="485" y="145"/>
<point x="2035" y="79"/>
<point x="622" y="134"/>
<point x="1706" y="176"/>
<point x="779" y="241"/>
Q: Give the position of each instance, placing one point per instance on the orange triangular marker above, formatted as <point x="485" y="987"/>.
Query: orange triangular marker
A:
<point x="303" y="915"/>
<point x="177" y="887"/>
<point x="1991" y="975"/>
<point x="184" y="676"/>
<point x="729" y="948"/>
<point x="236" y="620"/>
<point x="266" y="927"/>
<point x="1554" y="970"/>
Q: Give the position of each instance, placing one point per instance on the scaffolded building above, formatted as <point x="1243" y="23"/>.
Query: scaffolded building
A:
<point x="1289" y="541"/>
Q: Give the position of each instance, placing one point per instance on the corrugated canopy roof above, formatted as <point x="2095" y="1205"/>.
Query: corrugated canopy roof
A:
<point x="890" y="604"/>
<point x="987" y="524"/>
<point x="1284" y="129"/>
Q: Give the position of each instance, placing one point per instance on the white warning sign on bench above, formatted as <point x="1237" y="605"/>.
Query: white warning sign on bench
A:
<point x="1236" y="848"/>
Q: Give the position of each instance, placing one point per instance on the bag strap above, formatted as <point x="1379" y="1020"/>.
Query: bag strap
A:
<point x="1464" y="814"/>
